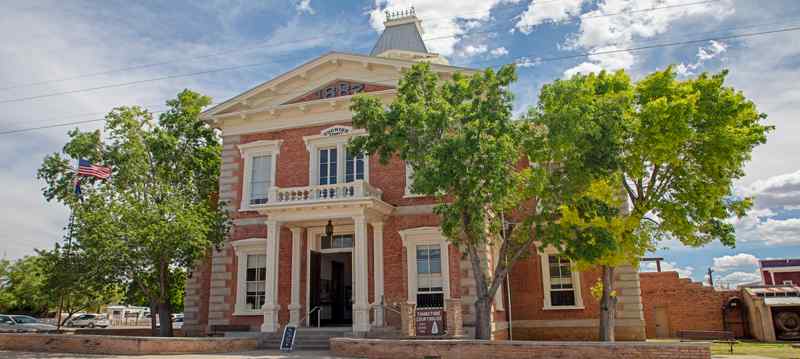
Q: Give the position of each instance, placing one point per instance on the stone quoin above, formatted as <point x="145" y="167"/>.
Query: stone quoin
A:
<point x="324" y="237"/>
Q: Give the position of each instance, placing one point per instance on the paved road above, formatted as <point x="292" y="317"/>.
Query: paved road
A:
<point x="259" y="354"/>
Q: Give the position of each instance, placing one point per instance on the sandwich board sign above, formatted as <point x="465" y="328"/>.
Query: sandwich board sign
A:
<point x="287" y="341"/>
<point x="430" y="321"/>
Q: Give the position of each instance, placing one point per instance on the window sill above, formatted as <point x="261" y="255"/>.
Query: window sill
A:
<point x="242" y="313"/>
<point x="565" y="307"/>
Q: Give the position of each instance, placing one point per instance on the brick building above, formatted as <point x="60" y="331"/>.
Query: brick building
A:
<point x="780" y="271"/>
<point x="324" y="237"/>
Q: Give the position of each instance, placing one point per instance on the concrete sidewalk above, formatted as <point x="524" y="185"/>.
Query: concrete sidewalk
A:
<point x="258" y="354"/>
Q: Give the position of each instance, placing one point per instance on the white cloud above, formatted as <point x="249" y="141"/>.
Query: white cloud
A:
<point x="448" y="19"/>
<point x="617" y="23"/>
<point x="684" y="272"/>
<point x="472" y="50"/>
<point x="738" y="261"/>
<point x="714" y="49"/>
<point x="528" y="62"/>
<point x="782" y="191"/>
<point x="780" y="231"/>
<point x="499" y="51"/>
<point x="304" y="6"/>
<point x="539" y="12"/>
<point x="737" y="278"/>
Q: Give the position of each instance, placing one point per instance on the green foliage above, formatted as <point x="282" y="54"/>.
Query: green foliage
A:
<point x="674" y="146"/>
<point x="22" y="287"/>
<point x="158" y="213"/>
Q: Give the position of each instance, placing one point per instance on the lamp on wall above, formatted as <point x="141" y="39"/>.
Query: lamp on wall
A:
<point x="329" y="230"/>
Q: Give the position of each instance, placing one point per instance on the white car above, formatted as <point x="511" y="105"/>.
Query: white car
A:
<point x="89" y="321"/>
<point x="28" y="323"/>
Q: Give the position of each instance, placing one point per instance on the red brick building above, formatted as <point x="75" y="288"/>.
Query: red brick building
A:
<point x="780" y="271"/>
<point x="322" y="236"/>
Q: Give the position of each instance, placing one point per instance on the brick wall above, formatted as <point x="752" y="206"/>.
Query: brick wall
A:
<point x="688" y="305"/>
<point x="468" y="349"/>
<point x="530" y="321"/>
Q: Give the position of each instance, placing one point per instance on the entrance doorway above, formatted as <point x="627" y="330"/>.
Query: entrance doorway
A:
<point x="331" y="288"/>
<point x="662" y="322"/>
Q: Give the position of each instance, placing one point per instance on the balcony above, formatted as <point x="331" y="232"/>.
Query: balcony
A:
<point x="356" y="190"/>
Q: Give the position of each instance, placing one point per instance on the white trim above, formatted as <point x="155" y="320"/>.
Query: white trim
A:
<point x="315" y="143"/>
<point x="409" y="171"/>
<point x="243" y="248"/>
<point x="413" y="237"/>
<point x="782" y="269"/>
<point x="377" y="270"/>
<point x="308" y="66"/>
<point x="248" y="151"/>
<point x="576" y="282"/>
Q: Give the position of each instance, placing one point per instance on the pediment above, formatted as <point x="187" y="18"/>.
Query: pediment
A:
<point x="327" y="77"/>
<point x="338" y="88"/>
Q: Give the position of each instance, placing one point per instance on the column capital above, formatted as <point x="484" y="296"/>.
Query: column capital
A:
<point x="296" y="231"/>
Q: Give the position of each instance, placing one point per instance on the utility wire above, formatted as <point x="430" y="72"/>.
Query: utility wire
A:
<point x="517" y="60"/>
<point x="299" y="41"/>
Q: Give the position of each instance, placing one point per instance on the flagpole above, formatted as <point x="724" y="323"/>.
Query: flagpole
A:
<point x="70" y="230"/>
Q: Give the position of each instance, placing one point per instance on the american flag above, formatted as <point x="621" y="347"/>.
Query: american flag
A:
<point x="86" y="168"/>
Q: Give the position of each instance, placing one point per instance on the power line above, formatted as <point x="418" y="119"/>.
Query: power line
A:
<point x="294" y="42"/>
<point x="228" y="51"/>
<point x="542" y="60"/>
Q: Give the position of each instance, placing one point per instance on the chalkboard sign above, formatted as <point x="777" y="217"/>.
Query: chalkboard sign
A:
<point x="287" y="342"/>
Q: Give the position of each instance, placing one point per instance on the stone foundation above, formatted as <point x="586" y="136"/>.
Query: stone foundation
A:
<point x="469" y="349"/>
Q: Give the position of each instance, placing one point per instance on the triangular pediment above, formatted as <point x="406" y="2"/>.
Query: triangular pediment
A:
<point x="339" y="88"/>
<point x="329" y="76"/>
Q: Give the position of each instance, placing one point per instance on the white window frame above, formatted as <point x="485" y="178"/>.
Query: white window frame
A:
<point x="414" y="237"/>
<point x="788" y="282"/>
<point x="243" y="248"/>
<point x="248" y="151"/>
<point x="316" y="142"/>
<point x="576" y="282"/>
<point x="409" y="174"/>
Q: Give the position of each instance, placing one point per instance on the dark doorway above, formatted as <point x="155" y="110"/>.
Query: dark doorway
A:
<point x="331" y="288"/>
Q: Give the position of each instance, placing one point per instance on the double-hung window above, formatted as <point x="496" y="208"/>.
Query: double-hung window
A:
<point x="327" y="165"/>
<point x="259" y="160"/>
<point x="429" y="277"/>
<point x="354" y="167"/>
<point x="255" y="285"/>
<point x="562" y="287"/>
<point x="260" y="179"/>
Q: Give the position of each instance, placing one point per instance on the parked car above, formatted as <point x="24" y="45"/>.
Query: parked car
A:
<point x="30" y="324"/>
<point x="89" y="321"/>
<point x="8" y="325"/>
<point x="177" y="322"/>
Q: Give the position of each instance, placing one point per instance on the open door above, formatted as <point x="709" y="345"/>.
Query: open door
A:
<point x="314" y="287"/>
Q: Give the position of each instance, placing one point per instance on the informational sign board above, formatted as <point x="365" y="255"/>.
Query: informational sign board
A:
<point x="287" y="341"/>
<point x="430" y="321"/>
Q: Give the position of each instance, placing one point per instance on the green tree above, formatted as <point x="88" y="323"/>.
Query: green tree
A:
<point x="674" y="148"/>
<point x="76" y="282"/>
<point x="22" y="288"/>
<point x="159" y="209"/>
<point x="465" y="148"/>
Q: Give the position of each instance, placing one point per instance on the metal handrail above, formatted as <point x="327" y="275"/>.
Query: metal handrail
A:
<point x="319" y="315"/>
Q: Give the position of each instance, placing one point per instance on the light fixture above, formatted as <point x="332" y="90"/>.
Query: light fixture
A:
<point x="329" y="230"/>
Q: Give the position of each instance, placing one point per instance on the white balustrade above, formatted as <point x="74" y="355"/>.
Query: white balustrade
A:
<point x="320" y="193"/>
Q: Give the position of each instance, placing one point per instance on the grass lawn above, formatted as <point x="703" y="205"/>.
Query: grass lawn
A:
<point x="772" y="350"/>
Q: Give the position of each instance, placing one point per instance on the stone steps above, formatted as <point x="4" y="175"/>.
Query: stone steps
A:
<point x="306" y="338"/>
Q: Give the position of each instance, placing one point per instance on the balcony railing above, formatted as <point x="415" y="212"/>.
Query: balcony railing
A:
<point x="320" y="193"/>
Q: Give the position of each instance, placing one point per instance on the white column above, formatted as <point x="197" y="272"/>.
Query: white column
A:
<point x="360" y="275"/>
<point x="377" y="272"/>
<point x="241" y="278"/>
<point x="294" y="307"/>
<point x="411" y="272"/>
<point x="271" y="306"/>
<point x="341" y="161"/>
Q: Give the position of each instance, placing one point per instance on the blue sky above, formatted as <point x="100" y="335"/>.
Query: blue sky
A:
<point x="49" y="47"/>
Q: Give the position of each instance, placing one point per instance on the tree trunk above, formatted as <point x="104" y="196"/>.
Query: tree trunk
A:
<point x="153" y="314"/>
<point x="483" y="319"/>
<point x="608" y="304"/>
<point x="165" y="317"/>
